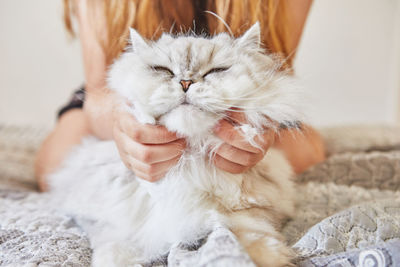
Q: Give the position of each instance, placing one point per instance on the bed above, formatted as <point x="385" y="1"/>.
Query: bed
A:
<point x="348" y="209"/>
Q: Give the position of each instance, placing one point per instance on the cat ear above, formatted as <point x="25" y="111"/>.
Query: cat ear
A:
<point x="137" y="40"/>
<point x="251" y="38"/>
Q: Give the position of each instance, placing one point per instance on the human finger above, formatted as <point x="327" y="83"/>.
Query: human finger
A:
<point x="239" y="156"/>
<point x="144" y="133"/>
<point x="152" y="171"/>
<point x="150" y="153"/>
<point x="147" y="177"/>
<point x="236" y="117"/>
<point x="228" y="166"/>
<point x="231" y="135"/>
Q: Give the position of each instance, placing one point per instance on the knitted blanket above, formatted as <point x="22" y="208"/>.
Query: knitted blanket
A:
<point x="348" y="209"/>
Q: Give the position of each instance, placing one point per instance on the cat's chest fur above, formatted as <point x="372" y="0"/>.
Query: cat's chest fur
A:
<point x="195" y="177"/>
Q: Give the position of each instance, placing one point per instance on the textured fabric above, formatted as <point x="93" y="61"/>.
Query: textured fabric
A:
<point x="355" y="228"/>
<point x="221" y="248"/>
<point x="347" y="209"/>
<point x="32" y="233"/>
<point x="375" y="169"/>
<point x="18" y="146"/>
<point x="384" y="254"/>
<point x="319" y="201"/>
<point x="361" y="138"/>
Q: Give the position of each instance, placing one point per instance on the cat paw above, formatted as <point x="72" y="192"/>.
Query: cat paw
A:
<point x="270" y="252"/>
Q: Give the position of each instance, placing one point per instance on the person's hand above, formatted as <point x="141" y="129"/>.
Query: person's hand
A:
<point x="148" y="150"/>
<point x="236" y="155"/>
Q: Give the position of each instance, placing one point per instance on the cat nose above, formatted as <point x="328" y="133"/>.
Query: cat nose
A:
<point x="185" y="84"/>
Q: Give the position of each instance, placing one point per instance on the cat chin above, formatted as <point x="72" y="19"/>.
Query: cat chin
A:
<point x="189" y="121"/>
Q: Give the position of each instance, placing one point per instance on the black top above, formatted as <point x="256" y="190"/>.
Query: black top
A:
<point x="76" y="101"/>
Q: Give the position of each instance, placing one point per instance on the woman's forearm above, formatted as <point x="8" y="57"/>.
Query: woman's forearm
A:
<point x="94" y="119"/>
<point x="303" y="148"/>
<point x="69" y="131"/>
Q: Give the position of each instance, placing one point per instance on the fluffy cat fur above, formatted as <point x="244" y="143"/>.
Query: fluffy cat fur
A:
<point x="131" y="220"/>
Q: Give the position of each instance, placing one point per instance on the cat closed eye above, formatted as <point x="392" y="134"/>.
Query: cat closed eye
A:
<point x="163" y="69"/>
<point x="215" y="70"/>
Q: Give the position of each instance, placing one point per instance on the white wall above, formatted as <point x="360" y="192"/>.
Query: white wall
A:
<point x="396" y="69"/>
<point x="39" y="66"/>
<point x="348" y="61"/>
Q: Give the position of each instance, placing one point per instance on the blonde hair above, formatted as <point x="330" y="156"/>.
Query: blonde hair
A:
<point x="152" y="17"/>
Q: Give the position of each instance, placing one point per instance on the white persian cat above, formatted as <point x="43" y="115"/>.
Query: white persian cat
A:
<point x="188" y="84"/>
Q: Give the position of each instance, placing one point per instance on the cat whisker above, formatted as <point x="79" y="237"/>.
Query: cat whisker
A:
<point x="248" y="93"/>
<point x="222" y="20"/>
<point x="172" y="27"/>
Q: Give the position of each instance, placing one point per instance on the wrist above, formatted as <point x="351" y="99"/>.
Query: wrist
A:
<point x="98" y="107"/>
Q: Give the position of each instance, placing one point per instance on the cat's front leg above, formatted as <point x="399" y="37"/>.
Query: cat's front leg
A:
<point x="259" y="237"/>
<point x="268" y="250"/>
<point x="115" y="254"/>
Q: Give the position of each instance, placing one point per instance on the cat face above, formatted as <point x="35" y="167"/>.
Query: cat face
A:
<point x="188" y="83"/>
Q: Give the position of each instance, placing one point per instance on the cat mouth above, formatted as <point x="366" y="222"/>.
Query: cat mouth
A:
<point x="187" y="105"/>
<point x="186" y="102"/>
